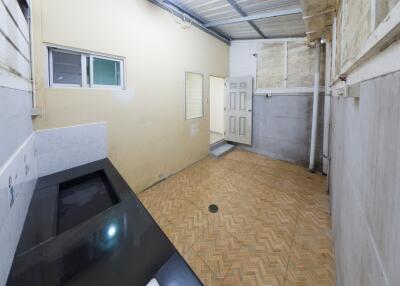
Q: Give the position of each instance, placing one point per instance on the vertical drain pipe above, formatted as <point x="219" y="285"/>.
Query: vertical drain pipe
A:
<point x="315" y="107"/>
<point x="327" y="107"/>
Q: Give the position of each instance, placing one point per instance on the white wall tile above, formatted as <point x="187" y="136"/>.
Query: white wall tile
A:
<point x="15" y="120"/>
<point x="44" y="152"/>
<point x="67" y="147"/>
<point x="22" y="168"/>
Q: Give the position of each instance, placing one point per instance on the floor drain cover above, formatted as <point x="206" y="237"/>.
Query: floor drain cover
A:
<point x="213" y="208"/>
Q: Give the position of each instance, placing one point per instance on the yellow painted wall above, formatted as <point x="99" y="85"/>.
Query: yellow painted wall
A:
<point x="148" y="136"/>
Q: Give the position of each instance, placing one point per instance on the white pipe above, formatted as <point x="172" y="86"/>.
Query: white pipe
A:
<point x="327" y="108"/>
<point x="32" y="55"/>
<point x="334" y="45"/>
<point x="315" y="107"/>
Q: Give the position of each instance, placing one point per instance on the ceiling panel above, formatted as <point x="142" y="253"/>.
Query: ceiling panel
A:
<point x="251" y="7"/>
<point x="239" y="31"/>
<point x="284" y="26"/>
<point x="218" y="10"/>
<point x="209" y="11"/>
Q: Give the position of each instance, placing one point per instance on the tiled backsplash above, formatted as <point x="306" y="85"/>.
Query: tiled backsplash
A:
<point x="18" y="178"/>
<point x="58" y="149"/>
<point x="44" y="152"/>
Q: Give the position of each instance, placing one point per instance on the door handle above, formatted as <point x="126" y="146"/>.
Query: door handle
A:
<point x="250" y="110"/>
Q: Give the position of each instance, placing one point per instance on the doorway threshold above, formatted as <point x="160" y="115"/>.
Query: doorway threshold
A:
<point x="216" y="137"/>
<point x="221" y="149"/>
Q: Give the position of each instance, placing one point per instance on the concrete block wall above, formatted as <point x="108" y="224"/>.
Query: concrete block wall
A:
<point x="365" y="182"/>
<point x="282" y="128"/>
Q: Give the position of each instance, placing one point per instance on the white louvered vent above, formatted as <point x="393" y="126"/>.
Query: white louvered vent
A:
<point x="194" y="95"/>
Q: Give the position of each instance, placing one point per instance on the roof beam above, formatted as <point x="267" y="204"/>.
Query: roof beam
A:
<point x="243" y="14"/>
<point x="183" y="13"/>
<point x="258" y="16"/>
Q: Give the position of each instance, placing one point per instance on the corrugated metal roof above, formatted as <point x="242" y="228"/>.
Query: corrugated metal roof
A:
<point x="241" y="30"/>
<point x="283" y="26"/>
<point x="210" y="11"/>
<point x="259" y="6"/>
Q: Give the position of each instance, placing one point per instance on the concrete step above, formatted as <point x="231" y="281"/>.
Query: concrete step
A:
<point x="221" y="150"/>
<point x="217" y="144"/>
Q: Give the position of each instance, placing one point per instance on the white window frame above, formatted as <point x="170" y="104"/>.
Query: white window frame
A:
<point x="121" y="73"/>
<point x="284" y="89"/>
<point x="84" y="83"/>
<point x="51" y="74"/>
<point x="202" y="96"/>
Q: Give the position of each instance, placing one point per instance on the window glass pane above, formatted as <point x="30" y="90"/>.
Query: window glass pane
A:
<point x="106" y="72"/>
<point x="66" y="68"/>
<point x="194" y="95"/>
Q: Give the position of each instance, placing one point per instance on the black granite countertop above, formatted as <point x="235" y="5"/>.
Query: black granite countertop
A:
<point x="120" y="246"/>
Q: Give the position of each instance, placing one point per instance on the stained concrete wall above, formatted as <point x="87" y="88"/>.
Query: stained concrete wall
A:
<point x="300" y="61"/>
<point x="356" y="28"/>
<point x="365" y="183"/>
<point x="270" y="65"/>
<point x="281" y="123"/>
<point x="282" y="128"/>
<point x="356" y="21"/>
<point x="382" y="9"/>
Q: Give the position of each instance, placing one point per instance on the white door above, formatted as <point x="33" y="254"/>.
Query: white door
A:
<point x="238" y="109"/>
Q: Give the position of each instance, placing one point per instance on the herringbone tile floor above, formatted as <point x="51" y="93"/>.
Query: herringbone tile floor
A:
<point x="272" y="228"/>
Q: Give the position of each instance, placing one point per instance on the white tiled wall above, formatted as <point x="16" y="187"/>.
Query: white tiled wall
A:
<point x="16" y="140"/>
<point x="15" y="120"/>
<point x="21" y="170"/>
<point x="63" y="148"/>
<point x="43" y="152"/>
